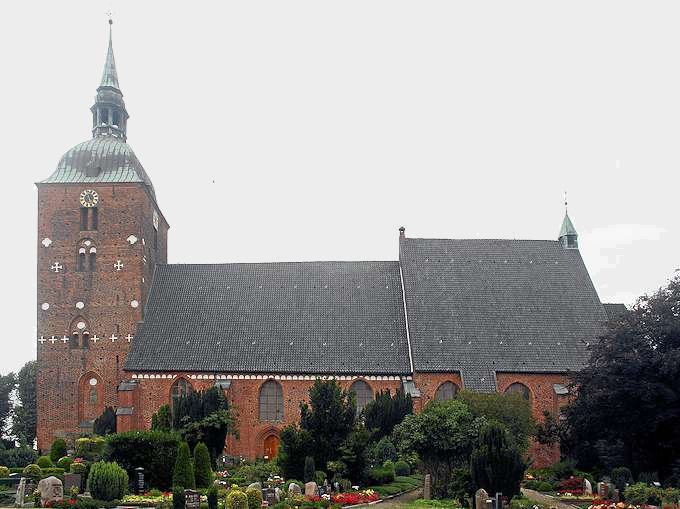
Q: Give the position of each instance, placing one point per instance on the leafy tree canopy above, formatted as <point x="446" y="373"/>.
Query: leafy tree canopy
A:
<point x="25" y="414"/>
<point x="628" y="408"/>
<point x="7" y="383"/>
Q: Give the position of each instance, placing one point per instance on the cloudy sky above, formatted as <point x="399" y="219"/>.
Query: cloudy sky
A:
<point x="311" y="130"/>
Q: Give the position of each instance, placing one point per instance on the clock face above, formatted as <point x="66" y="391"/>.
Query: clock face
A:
<point x="89" y="198"/>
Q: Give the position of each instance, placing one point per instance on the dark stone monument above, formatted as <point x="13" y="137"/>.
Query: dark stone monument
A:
<point x="192" y="499"/>
<point x="139" y="480"/>
<point x="269" y="496"/>
<point x="427" y="487"/>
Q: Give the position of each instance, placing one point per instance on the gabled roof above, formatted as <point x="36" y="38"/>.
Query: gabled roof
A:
<point x="314" y="317"/>
<point x="615" y="311"/>
<point x="487" y="306"/>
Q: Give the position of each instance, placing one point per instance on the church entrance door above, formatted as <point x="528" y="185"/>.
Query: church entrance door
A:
<point x="271" y="447"/>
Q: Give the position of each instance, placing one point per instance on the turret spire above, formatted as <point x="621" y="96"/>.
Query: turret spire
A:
<point x="109" y="116"/>
<point x="568" y="236"/>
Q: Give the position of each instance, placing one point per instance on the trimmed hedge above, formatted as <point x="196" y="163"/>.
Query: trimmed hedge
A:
<point x="155" y="451"/>
<point x="45" y="462"/>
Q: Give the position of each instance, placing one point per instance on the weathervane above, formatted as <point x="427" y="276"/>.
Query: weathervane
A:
<point x="565" y="201"/>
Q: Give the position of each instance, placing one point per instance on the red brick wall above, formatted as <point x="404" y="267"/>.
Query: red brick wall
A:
<point x="243" y="395"/>
<point x="62" y="387"/>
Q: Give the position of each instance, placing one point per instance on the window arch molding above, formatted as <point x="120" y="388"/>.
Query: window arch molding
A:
<point x="363" y="391"/>
<point x="519" y="388"/>
<point x="446" y="391"/>
<point x="270" y="401"/>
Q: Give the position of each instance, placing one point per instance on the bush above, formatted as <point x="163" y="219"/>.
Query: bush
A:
<point x="402" y="468"/>
<point x="107" y="481"/>
<point x="45" y="462"/>
<point x="496" y="464"/>
<point x="78" y="467"/>
<point x="563" y="469"/>
<point x="4" y="472"/>
<point x="236" y="499"/>
<point x="254" y="498"/>
<point x="544" y="486"/>
<point x="310" y="469"/>
<point x="381" y="475"/>
<point x="178" y="499"/>
<point x="152" y="450"/>
<point x="319" y="477"/>
<point x="183" y="473"/>
<point x="461" y="486"/>
<point x="202" y="470"/>
<point x="384" y="451"/>
<point x="258" y="472"/>
<point x="18" y="457"/>
<point x="90" y="449"/>
<point x="620" y="477"/>
<point x="65" y="463"/>
<point x="212" y="497"/>
<point x="638" y="493"/>
<point x="58" y="449"/>
<point x="33" y="471"/>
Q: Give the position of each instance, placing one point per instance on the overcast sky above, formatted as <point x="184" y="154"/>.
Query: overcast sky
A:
<point x="311" y="130"/>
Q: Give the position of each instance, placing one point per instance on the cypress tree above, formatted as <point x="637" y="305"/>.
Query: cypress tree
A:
<point x="496" y="464"/>
<point x="310" y="469"/>
<point x="183" y="474"/>
<point x="203" y="473"/>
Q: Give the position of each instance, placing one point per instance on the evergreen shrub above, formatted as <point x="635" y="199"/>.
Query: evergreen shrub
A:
<point x="310" y="468"/>
<point x="45" y="462"/>
<point x="202" y="471"/>
<point x="212" y="497"/>
<point x="65" y="463"/>
<point x="402" y="468"/>
<point x="178" y="498"/>
<point x="4" y="472"/>
<point x="18" y="457"/>
<point x="254" y="498"/>
<point x="90" y="449"/>
<point x="33" y="471"/>
<point x="78" y="467"/>
<point x="183" y="473"/>
<point x="236" y="499"/>
<point x="496" y="464"/>
<point x="58" y="450"/>
<point x="107" y="481"/>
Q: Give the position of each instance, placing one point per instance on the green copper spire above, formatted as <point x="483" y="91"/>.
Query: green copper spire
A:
<point x="110" y="76"/>
<point x="568" y="236"/>
<point x="567" y="227"/>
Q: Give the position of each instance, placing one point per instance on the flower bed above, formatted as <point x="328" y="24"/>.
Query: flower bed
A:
<point x="610" y="504"/>
<point x="349" y="498"/>
<point x="146" y="500"/>
<point x="571" y="486"/>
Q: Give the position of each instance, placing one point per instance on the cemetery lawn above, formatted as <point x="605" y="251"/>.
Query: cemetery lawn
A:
<point x="399" y="485"/>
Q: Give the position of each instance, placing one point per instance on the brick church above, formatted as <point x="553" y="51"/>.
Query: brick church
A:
<point x="119" y="326"/>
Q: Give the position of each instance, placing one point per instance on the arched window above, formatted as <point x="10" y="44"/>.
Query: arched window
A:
<point x="271" y="401"/>
<point x="519" y="388"/>
<point x="92" y="265"/>
<point x="79" y="333"/>
<point x="180" y="389"/>
<point x="90" y="397"/>
<point x="363" y="392"/>
<point x="87" y="256"/>
<point x="446" y="391"/>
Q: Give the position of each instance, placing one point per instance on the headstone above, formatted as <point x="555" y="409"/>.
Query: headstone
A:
<point x="21" y="493"/>
<point x="71" y="480"/>
<point x="279" y="494"/>
<point x="139" y="480"/>
<point x="311" y="489"/>
<point x="294" y="489"/>
<point x="587" y="487"/>
<point x="481" y="499"/>
<point x="498" y="501"/>
<point x="192" y="499"/>
<point x="603" y="490"/>
<point x="51" y="489"/>
<point x="269" y="496"/>
<point x="614" y="495"/>
<point x="255" y="485"/>
<point x="427" y="487"/>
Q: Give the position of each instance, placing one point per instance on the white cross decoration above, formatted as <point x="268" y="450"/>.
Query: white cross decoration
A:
<point x="118" y="266"/>
<point x="95" y="338"/>
<point x="53" y="339"/>
<point x="65" y="339"/>
<point x="47" y="242"/>
<point x="113" y="338"/>
<point x="56" y="267"/>
<point x="129" y="337"/>
<point x="144" y="259"/>
<point x="42" y="340"/>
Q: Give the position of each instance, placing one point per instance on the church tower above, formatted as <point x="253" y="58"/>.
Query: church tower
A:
<point x="100" y="235"/>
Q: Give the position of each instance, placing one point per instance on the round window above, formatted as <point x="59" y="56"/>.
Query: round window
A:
<point x="81" y="325"/>
<point x="93" y="381"/>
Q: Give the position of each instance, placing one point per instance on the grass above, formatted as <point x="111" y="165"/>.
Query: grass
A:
<point x="438" y="504"/>
<point x="400" y="484"/>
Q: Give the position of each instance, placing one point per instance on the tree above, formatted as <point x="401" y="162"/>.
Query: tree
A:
<point x="310" y="469"/>
<point x="58" y="449"/>
<point x="204" y="416"/>
<point x="7" y="383"/>
<point x="202" y="470"/>
<point x="628" y="402"/>
<point x="105" y="424"/>
<point x="183" y="473"/>
<point x="443" y="436"/>
<point x="385" y="412"/>
<point x="329" y="419"/>
<point x="162" y="420"/>
<point x="496" y="463"/>
<point x="24" y="417"/>
<point x="511" y="410"/>
<point x="296" y="445"/>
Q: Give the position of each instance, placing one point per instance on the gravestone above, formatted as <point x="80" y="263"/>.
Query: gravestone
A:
<point x="427" y="487"/>
<point x="311" y="489"/>
<point x="71" y="480"/>
<point x="603" y="490"/>
<point x="21" y="493"/>
<point x="51" y="489"/>
<point x="482" y="500"/>
<point x="192" y="499"/>
<point x="279" y="494"/>
<point x="269" y="496"/>
<point x="294" y="489"/>
<point x="587" y="487"/>
<point x="139" y="480"/>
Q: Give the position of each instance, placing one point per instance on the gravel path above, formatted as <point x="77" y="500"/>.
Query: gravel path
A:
<point x="551" y="502"/>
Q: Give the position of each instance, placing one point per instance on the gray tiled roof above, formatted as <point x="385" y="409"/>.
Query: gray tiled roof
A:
<point x="114" y="157"/>
<point x="315" y="317"/>
<point x="487" y="306"/>
<point x="615" y="310"/>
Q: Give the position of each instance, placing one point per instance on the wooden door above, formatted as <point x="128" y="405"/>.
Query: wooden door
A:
<point x="271" y="447"/>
